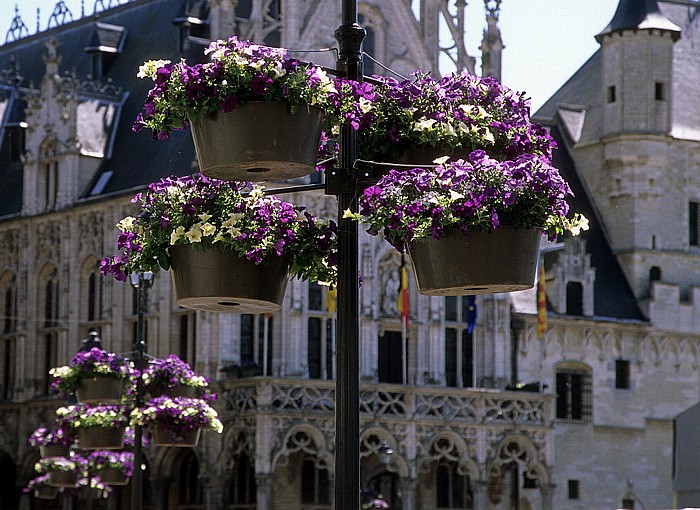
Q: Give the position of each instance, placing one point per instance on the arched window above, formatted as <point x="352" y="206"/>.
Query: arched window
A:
<point x="574" y="393"/>
<point x="91" y="291"/>
<point x="47" y="182"/>
<point x="48" y="292"/>
<point x="8" y="284"/>
<point x="314" y="483"/>
<point x="453" y="490"/>
<point x="188" y="491"/>
<point x="243" y="487"/>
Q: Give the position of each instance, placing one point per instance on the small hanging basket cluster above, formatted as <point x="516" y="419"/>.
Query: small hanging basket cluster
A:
<point x="82" y="451"/>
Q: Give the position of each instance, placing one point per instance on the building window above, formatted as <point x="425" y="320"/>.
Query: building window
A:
<point x="320" y="348"/>
<point x="622" y="374"/>
<point x="7" y="357"/>
<point x="48" y="175"/>
<point x="659" y="91"/>
<point x="459" y="342"/>
<point x="574" y="489"/>
<point x="91" y="289"/>
<point x="243" y="488"/>
<point x="189" y="491"/>
<point x="574" y="394"/>
<point x="368" y="44"/>
<point x="314" y="483"/>
<point x="693" y="224"/>
<point x="256" y="340"/>
<point x="574" y="298"/>
<point x="627" y="504"/>
<point x="187" y="337"/>
<point x="612" y="94"/>
<point x="453" y="490"/>
<point x="315" y="297"/>
<point x="654" y="274"/>
<point x="9" y="284"/>
<point x="528" y="482"/>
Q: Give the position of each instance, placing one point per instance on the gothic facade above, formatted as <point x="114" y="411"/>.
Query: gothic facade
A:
<point x="619" y="360"/>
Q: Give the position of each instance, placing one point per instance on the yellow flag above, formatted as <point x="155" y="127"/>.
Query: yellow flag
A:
<point x="331" y="296"/>
<point x="541" y="304"/>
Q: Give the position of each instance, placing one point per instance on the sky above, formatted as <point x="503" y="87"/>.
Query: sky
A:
<point x="545" y="41"/>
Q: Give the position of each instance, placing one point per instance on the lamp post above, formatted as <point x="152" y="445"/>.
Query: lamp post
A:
<point x="347" y="386"/>
<point x="141" y="281"/>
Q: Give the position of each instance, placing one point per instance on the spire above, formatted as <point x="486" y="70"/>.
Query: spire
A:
<point x="491" y="43"/>
<point x="639" y="15"/>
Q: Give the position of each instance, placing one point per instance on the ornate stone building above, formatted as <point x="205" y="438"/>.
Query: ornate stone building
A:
<point x="619" y="361"/>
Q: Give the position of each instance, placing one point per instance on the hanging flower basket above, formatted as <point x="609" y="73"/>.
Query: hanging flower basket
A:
<point x="427" y="155"/>
<point x="503" y="260"/>
<point x="173" y="378"/>
<point x="261" y="141"/>
<point x="62" y="479"/>
<point x="101" y="438"/>
<point x="103" y="389"/>
<point x="54" y="450"/>
<point x="46" y="492"/>
<point x="167" y="438"/>
<point x="219" y="281"/>
<point x="113" y="476"/>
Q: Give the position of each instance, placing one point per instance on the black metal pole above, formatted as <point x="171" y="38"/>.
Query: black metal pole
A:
<point x="347" y="386"/>
<point x="139" y="358"/>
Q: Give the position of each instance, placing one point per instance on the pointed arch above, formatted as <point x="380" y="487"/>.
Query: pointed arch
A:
<point x="371" y="441"/>
<point x="303" y="438"/>
<point x="518" y="449"/>
<point x="90" y="290"/>
<point x="451" y="447"/>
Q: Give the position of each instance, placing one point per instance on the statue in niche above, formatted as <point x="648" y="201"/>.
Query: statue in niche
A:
<point x="390" y="288"/>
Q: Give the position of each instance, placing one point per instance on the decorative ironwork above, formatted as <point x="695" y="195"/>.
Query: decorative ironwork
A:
<point x="99" y="5"/>
<point x="59" y="15"/>
<point x="18" y="28"/>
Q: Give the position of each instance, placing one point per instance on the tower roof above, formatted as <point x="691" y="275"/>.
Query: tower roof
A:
<point x="639" y="15"/>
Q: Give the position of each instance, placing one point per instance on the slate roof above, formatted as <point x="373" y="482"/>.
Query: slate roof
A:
<point x="639" y="15"/>
<point x="133" y="159"/>
<point x="612" y="295"/>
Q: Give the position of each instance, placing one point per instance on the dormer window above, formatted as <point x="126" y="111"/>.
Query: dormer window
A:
<point x="106" y="43"/>
<point x="193" y="27"/>
<point x="47" y="185"/>
<point x="574" y="298"/>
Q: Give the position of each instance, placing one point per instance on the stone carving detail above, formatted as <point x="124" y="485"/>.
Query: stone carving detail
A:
<point x="378" y="402"/>
<point x="448" y="407"/>
<point x="528" y="411"/>
<point x="390" y="282"/>
<point x="49" y="236"/>
<point x="91" y="232"/>
<point x="303" y="398"/>
<point x="240" y="399"/>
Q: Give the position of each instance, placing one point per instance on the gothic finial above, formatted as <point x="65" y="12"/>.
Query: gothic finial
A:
<point x="59" y="15"/>
<point x="17" y="28"/>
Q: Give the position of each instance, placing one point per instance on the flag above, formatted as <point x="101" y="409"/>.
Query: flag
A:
<point x="471" y="313"/>
<point x="331" y="297"/>
<point x="403" y="302"/>
<point x="541" y="304"/>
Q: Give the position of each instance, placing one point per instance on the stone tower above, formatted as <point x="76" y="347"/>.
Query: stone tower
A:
<point x="640" y="187"/>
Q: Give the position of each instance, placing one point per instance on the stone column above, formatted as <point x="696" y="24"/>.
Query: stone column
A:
<point x="407" y="486"/>
<point x="547" y="491"/>
<point x="159" y="492"/>
<point x="479" y="491"/>
<point x="264" y="483"/>
<point x="331" y="490"/>
<point x="207" y="500"/>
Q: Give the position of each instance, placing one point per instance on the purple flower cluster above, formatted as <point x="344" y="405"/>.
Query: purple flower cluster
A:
<point x="84" y="416"/>
<point x="106" y="459"/>
<point x="458" y="111"/>
<point x="93" y="363"/>
<point x="239" y="71"/>
<point x="210" y="213"/>
<point x="166" y="374"/>
<point x="479" y="193"/>
<point x="177" y="415"/>
<point x="54" y="435"/>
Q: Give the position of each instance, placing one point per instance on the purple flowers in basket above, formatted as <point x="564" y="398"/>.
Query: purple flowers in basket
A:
<point x="209" y="213"/>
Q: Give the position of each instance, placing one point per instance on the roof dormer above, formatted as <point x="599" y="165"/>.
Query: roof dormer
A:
<point x="106" y="43"/>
